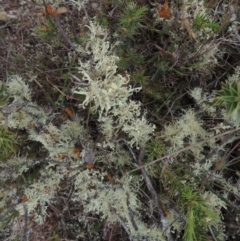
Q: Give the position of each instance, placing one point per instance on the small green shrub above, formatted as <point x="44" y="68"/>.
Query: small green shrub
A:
<point x="48" y="31"/>
<point x="201" y="22"/>
<point x="7" y="141"/>
<point x="229" y="95"/>
<point x="155" y="149"/>
<point x="129" y="22"/>
<point x="196" y="210"/>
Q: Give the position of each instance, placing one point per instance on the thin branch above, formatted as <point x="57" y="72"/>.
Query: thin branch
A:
<point x="150" y="187"/>
<point x="128" y="146"/>
<point x="218" y="165"/>
<point x="79" y="82"/>
<point x="184" y="149"/>
<point x="210" y="229"/>
<point x="24" y="237"/>
<point x="122" y="223"/>
<point x="67" y="96"/>
<point x="154" y="195"/>
<point x="62" y="32"/>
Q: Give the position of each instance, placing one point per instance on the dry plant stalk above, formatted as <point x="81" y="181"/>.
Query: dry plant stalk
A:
<point x="186" y="24"/>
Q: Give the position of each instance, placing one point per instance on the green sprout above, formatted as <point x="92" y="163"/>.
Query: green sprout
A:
<point x="47" y="31"/>
<point x="6" y="140"/>
<point x="155" y="149"/>
<point x="200" y="22"/>
<point x="229" y="95"/>
<point x="129" y="22"/>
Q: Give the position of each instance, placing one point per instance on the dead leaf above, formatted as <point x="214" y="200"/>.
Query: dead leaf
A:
<point x="62" y="10"/>
<point x="185" y="24"/>
<point x="3" y="16"/>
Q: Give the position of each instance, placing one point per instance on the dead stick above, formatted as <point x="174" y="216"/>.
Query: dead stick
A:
<point x="151" y="188"/>
<point x="184" y="149"/>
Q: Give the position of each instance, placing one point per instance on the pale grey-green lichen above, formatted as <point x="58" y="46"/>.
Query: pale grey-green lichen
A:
<point x="18" y="89"/>
<point x="109" y="91"/>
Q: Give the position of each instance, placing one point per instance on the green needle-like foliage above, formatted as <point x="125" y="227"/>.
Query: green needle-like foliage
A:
<point x="229" y="95"/>
<point x="47" y="31"/>
<point x="200" y="22"/>
<point x="195" y="208"/>
<point x="3" y="97"/>
<point x="196" y="211"/>
<point x="6" y="140"/>
<point x="130" y="20"/>
<point x="155" y="149"/>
